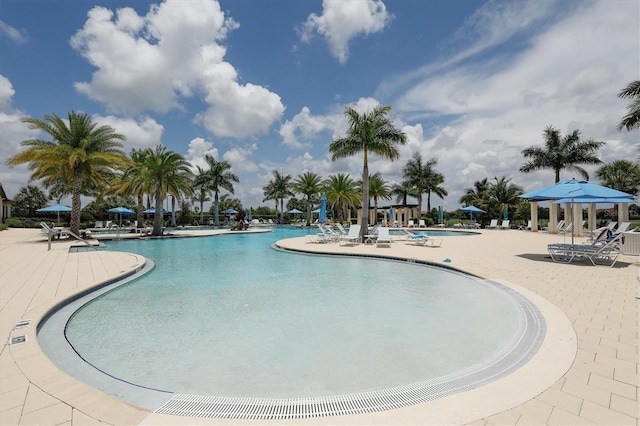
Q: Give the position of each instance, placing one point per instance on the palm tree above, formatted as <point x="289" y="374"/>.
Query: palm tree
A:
<point x="80" y="154"/>
<point x="502" y="195"/>
<point x="622" y="175"/>
<point x="269" y="192"/>
<point x="133" y="183"/>
<point x="402" y="191"/>
<point x="562" y="153"/>
<point x="29" y="199"/>
<point x="171" y="174"/>
<point x="201" y="185"/>
<point x="342" y="193"/>
<point x="478" y="195"/>
<point x="378" y="190"/>
<point x="632" y="119"/>
<point x="424" y="179"/>
<point x="218" y="177"/>
<point x="368" y="132"/>
<point x="279" y="189"/>
<point x="310" y="185"/>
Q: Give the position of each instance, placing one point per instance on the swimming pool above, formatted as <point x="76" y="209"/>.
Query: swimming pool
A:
<point x="228" y="316"/>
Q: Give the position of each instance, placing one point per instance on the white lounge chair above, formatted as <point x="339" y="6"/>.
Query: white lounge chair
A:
<point x="411" y="224"/>
<point x="624" y="226"/>
<point x="421" y="239"/>
<point x="353" y="236"/>
<point x="99" y="224"/>
<point x="608" y="250"/>
<point x="421" y="223"/>
<point x="505" y="224"/>
<point x="492" y="225"/>
<point x="525" y="228"/>
<point x="383" y="237"/>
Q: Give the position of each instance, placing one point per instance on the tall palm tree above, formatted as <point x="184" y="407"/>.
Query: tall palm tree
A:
<point x="308" y="184"/>
<point x="622" y="175"/>
<point x="201" y="189"/>
<point x="269" y="192"/>
<point x="562" y="153"/>
<point x="80" y="154"/>
<point x="378" y="190"/>
<point x="280" y="188"/>
<point x="632" y="119"/>
<point x="342" y="193"/>
<point x="171" y="174"/>
<point x="402" y="191"/>
<point x="219" y="176"/>
<point x="370" y="132"/>
<point x="424" y="179"/>
<point x="133" y="182"/>
<point x="478" y="195"/>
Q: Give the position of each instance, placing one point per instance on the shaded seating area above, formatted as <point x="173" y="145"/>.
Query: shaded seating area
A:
<point x="601" y="249"/>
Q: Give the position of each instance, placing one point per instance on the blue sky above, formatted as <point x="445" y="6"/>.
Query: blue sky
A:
<point x="264" y="84"/>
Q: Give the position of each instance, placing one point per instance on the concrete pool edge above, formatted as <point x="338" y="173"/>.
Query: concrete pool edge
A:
<point x="460" y="408"/>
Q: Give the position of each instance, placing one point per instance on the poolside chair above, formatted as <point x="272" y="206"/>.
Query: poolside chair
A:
<point x="353" y="236"/>
<point x="492" y="225"/>
<point x="608" y="250"/>
<point x="383" y="237"/>
<point x="525" y="228"/>
<point x="505" y="224"/>
<point x="411" y="224"/>
<point x="421" y="239"/>
<point x="341" y="229"/>
<point x="98" y="224"/>
<point x="421" y="223"/>
<point x="624" y="226"/>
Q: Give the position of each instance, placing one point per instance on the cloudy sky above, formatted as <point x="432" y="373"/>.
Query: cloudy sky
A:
<point x="264" y="84"/>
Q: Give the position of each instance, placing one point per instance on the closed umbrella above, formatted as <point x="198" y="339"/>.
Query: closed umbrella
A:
<point x="323" y="209"/>
<point x="390" y="214"/>
<point x="505" y="212"/>
<point x="440" y="215"/>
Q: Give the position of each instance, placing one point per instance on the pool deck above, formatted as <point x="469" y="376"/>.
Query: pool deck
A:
<point x="585" y="373"/>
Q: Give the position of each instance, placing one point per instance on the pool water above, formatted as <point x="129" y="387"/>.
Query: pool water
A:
<point x="230" y="316"/>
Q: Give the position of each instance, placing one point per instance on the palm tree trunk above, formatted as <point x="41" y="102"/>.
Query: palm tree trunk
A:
<point x="157" y="217"/>
<point x="75" y="204"/>
<point x="364" y="228"/>
<point x="201" y="207"/>
<point x="308" y="210"/>
<point x="173" y="211"/>
<point x="216" y="208"/>
<point x="140" y="209"/>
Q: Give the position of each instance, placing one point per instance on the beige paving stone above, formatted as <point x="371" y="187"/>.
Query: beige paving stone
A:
<point x="616" y="363"/>
<point x="51" y="415"/>
<point x="590" y="393"/>
<point x="594" y="367"/>
<point x="560" y="417"/>
<point x="506" y="418"/>
<point x="566" y="401"/>
<point x="630" y="407"/>
<point x="536" y="410"/>
<point x="613" y="386"/>
<point x="36" y="400"/>
<point x="10" y="416"/>
<point x="605" y="416"/>
<point x="628" y="377"/>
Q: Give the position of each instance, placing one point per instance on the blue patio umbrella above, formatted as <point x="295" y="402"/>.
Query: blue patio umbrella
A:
<point x="390" y="214"/>
<point x="440" y="215"/>
<point x="316" y="210"/>
<point x="294" y="211"/>
<point x="56" y="208"/>
<point x="152" y="210"/>
<point x="505" y="212"/>
<point x="121" y="211"/>
<point x="471" y="210"/>
<point x="588" y="200"/>
<point x="229" y="211"/>
<point x="575" y="190"/>
<point x="323" y="209"/>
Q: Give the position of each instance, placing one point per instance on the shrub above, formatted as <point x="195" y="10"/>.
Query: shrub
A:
<point x="13" y="222"/>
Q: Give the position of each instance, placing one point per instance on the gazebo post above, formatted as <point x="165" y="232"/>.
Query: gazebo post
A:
<point x="553" y="218"/>
<point x="534" y="216"/>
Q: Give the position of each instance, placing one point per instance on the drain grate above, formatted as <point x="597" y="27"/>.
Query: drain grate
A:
<point x="522" y="347"/>
<point x="22" y="324"/>
<point x="17" y="340"/>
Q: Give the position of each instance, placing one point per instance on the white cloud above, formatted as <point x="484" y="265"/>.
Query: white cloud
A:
<point x="18" y="36"/>
<point x="341" y="21"/>
<point x="307" y="127"/>
<point x="174" y="52"/>
<point x="240" y="159"/>
<point x="6" y="93"/>
<point x="142" y="133"/>
<point x="198" y="147"/>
